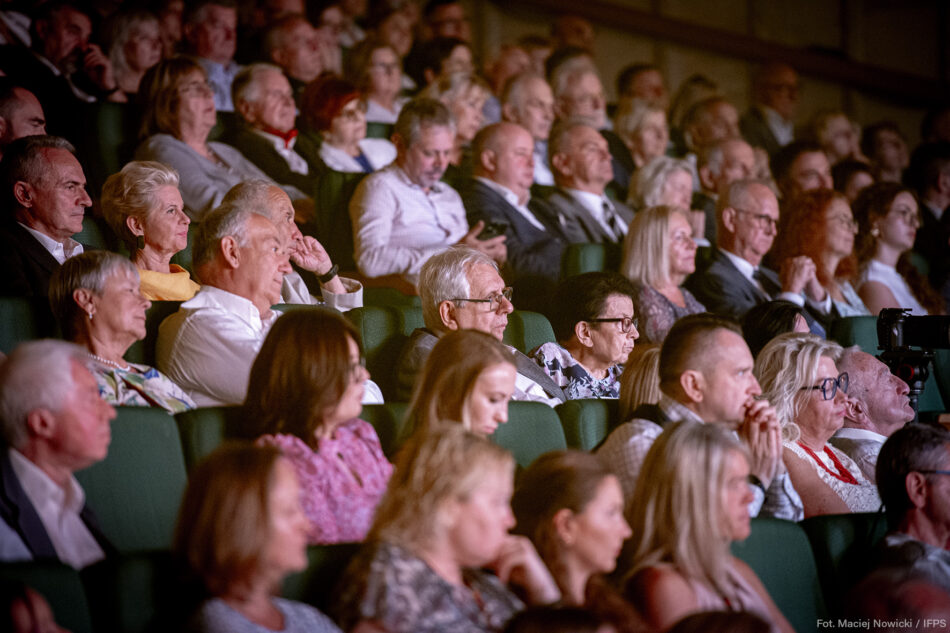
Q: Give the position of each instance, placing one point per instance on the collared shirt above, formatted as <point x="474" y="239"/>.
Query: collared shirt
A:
<point x="542" y="171"/>
<point x="220" y="77"/>
<point x="748" y="271"/>
<point x="530" y="391"/>
<point x="376" y="113"/>
<point x="78" y="92"/>
<point x="861" y="445"/>
<point x="58" y="510"/>
<point x="782" y="130"/>
<point x="595" y="204"/>
<point x="295" y="290"/>
<point x="61" y="251"/>
<point x="295" y="161"/>
<point x="920" y="557"/>
<point x="397" y="225"/>
<point x="512" y="199"/>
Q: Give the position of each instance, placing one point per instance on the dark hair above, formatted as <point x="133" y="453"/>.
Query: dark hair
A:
<point x="766" y="321"/>
<point x="782" y="161"/>
<point x="869" y="136"/>
<point x="552" y="619"/>
<point x="48" y="10"/>
<point x="844" y="170"/>
<point x="301" y="371"/>
<point x="687" y="341"/>
<point x="583" y="297"/>
<point x="629" y="73"/>
<point x="194" y="9"/>
<point x="25" y="160"/>
<point x="926" y="163"/>
<point x="431" y="55"/>
<point x="914" y="447"/>
<point x="433" y="5"/>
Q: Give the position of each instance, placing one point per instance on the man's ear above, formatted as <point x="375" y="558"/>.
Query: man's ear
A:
<point x="489" y="161"/>
<point x="230" y="251"/>
<point x="41" y="423"/>
<point x="561" y="164"/>
<point x="706" y="178"/>
<point x="582" y="332"/>
<point x="855" y="409"/>
<point x="508" y="113"/>
<point x="917" y="489"/>
<point x="24" y="193"/>
<point x="729" y="219"/>
<point x="246" y="109"/>
<point x="429" y="75"/>
<point x="693" y="383"/>
<point x="447" y="315"/>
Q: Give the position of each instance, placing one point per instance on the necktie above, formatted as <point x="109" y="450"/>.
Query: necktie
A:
<point x="765" y="283"/>
<point x="616" y="226"/>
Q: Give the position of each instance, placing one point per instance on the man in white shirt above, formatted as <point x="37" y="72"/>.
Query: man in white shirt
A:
<point x="54" y="424"/>
<point x="877" y="406"/>
<point x="404" y="214"/>
<point x="46" y="190"/>
<point x="770" y="122"/>
<point x="706" y="376"/>
<point x="527" y="100"/>
<point x="461" y="289"/>
<point x="209" y="28"/>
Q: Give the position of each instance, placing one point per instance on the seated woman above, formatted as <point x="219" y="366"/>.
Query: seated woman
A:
<point x="596" y="327"/>
<point x="376" y="69"/>
<point x="304" y="397"/>
<point x="237" y="570"/>
<point x="143" y="207"/>
<point x="439" y="556"/>
<point x="663" y="180"/>
<point x="133" y="43"/>
<point x="888" y="219"/>
<point x="96" y="299"/>
<point x="850" y="177"/>
<point x="658" y="255"/>
<point x="798" y="376"/>
<point x="769" y="319"/>
<point x="464" y="94"/>
<point x="178" y="120"/>
<point x="643" y="129"/>
<point x="334" y="108"/>
<point x="468" y="378"/>
<point x="690" y="504"/>
<point x="571" y="507"/>
<point x="640" y="381"/>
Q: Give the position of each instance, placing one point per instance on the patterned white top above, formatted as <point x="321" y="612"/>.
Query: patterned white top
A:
<point x="860" y="497"/>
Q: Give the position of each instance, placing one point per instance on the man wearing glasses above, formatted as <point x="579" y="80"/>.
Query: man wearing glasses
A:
<point x="461" y="289"/>
<point x="734" y="281"/>
<point x="913" y="478"/>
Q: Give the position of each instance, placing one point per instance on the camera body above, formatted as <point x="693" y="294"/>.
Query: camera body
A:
<point x="907" y="343"/>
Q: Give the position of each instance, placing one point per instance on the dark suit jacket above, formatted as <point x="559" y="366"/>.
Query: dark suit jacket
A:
<point x="931" y="242"/>
<point x="17" y="512"/>
<point x="259" y="151"/>
<point x="577" y="224"/>
<point x="707" y="204"/>
<point x="420" y="345"/>
<point x="756" y="131"/>
<point x="622" y="163"/>
<point x="26" y="265"/>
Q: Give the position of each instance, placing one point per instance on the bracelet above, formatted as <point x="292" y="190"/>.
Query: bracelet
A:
<point x="755" y="481"/>
<point x="330" y="274"/>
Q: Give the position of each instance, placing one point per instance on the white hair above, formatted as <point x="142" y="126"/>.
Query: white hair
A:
<point x="444" y="276"/>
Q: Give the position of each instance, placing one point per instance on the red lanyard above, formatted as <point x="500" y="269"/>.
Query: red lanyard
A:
<point x="841" y="475"/>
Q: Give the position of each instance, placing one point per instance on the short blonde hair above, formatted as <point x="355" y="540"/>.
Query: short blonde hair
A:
<point x="631" y="113"/>
<point x="130" y="193"/>
<point x="448" y="88"/>
<point x="646" y="249"/>
<point x="159" y="89"/>
<point x="640" y="381"/>
<point x="646" y="185"/>
<point x="785" y="365"/>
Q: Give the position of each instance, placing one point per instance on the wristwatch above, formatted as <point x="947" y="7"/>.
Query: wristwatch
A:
<point x="330" y="274"/>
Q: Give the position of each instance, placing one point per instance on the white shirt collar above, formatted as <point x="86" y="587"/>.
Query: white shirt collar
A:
<point x="275" y="140"/>
<point x="745" y="266"/>
<point x="851" y="433"/>
<point x="61" y="251"/>
<point x="213" y="297"/>
<point x="512" y="198"/>
<point x="406" y="180"/>
<point x="43" y="492"/>
<point x="783" y="130"/>
<point x="592" y="202"/>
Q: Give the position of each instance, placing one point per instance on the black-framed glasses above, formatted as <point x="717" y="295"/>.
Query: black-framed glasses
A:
<point x="494" y="300"/>
<point x="830" y="386"/>
<point x="626" y="323"/>
<point x="763" y="220"/>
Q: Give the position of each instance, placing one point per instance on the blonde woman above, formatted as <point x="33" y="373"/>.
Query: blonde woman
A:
<point x="658" y="254"/>
<point x="640" y="381"/>
<point x="464" y="94"/>
<point x="690" y="504"/>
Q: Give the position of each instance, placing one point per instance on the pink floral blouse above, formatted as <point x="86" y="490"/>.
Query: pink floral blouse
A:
<point x="341" y="482"/>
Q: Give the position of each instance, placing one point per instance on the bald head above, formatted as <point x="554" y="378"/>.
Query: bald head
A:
<point x="747" y="220"/>
<point x="878" y="400"/>
<point x="504" y="153"/>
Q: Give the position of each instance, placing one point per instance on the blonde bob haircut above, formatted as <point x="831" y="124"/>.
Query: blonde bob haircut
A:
<point x="454" y="86"/>
<point x="646" y="249"/>
<point x="785" y="365"/>
<point x="223" y="526"/>
<point x="677" y="512"/>
<point x="640" y="381"/>
<point x="433" y="469"/>
<point x="159" y="89"/>
<point x="132" y="193"/>
<point x="444" y="388"/>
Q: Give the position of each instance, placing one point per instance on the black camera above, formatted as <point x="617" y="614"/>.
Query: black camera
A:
<point x="907" y="343"/>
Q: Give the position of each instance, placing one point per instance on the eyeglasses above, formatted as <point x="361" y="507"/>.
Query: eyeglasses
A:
<point x="626" y="323"/>
<point x="829" y="386"/>
<point x="494" y="300"/>
<point x="354" y="113"/>
<point x="850" y="223"/>
<point x="762" y="220"/>
<point x="355" y="371"/>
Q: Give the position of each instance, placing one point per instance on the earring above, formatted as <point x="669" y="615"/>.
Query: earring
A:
<point x="140" y="242"/>
<point x="875" y="232"/>
<point x="90" y="315"/>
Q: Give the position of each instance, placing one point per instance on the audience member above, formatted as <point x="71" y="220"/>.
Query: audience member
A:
<point x="580" y="161"/>
<point x="328" y="18"/>
<point x="234" y="572"/>
<point x="439" y="555"/>
<point x="644" y="82"/>
<point x="911" y="477"/>
<point x="134" y="44"/>
<point x="640" y="380"/>
<point x="710" y="121"/>
<point x="209" y="30"/>
<point x="893" y="597"/>
<point x="464" y="94"/>
<point x="179" y="116"/>
<point x="304" y="397"/>
<point x="571" y="507"/>
<point x="169" y="14"/>
<point x="468" y="378"/>
<point x="877" y="406"/>
<point x="20" y="114"/>
<point x="800" y="166"/>
<point x="595" y="327"/>
<point x="500" y="194"/>
<point x="690" y="505"/>
<point x="439" y="57"/>
<point x="402" y="215"/>
<point x="769" y="319"/>
<point x="838" y="136"/>
<point x="394" y="27"/>
<point x="658" y="256"/>
<point x="46" y="201"/>
<point x="143" y="207"/>
<point x="351" y="33"/>
<point x="574" y="31"/>
<point x="527" y="100"/>
<point x="888" y="219"/>
<point x="718" y="165"/>
<point x="296" y="47"/>
<point x="460" y="289"/>
<point x="511" y="61"/>
<point x="641" y="125"/>
<point x="96" y="299"/>
<point x="770" y="122"/>
<point x="935" y="126"/>
<point x="886" y="149"/>
<point x="850" y="177"/>
<point x="706" y="377"/>
<point x="798" y="373"/>
<point x="54" y="423"/>
<point x="695" y="88"/>
<point x="667" y="181"/>
<point x="929" y="176"/>
<point x="445" y="18"/>
<point x="376" y="69"/>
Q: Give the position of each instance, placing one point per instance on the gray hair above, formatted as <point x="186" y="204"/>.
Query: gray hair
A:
<point x="631" y="114"/>
<point x="913" y="448"/>
<point x="443" y="277"/>
<point x="420" y="113"/>
<point x="560" y="133"/>
<point x="252" y="195"/>
<point x="647" y="184"/>
<point x="448" y="88"/>
<point x="228" y="220"/>
<point x="131" y="193"/>
<point x="246" y="86"/>
<point x="513" y="92"/>
<point x="90" y="270"/>
<point x="37" y="375"/>
<point x="24" y="160"/>
<point x="571" y="72"/>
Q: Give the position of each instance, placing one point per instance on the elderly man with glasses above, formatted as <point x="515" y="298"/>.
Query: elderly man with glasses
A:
<point x="460" y="289"/>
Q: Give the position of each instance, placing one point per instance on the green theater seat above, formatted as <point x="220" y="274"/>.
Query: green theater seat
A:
<point x="527" y="330"/>
<point x="587" y="422"/>
<point x="62" y="587"/>
<point x="533" y="429"/>
<point x="203" y="430"/>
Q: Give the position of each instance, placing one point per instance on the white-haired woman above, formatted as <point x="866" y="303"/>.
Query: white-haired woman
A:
<point x="666" y="181"/>
<point x="642" y="127"/>
<point x="658" y="255"/>
<point x="464" y="94"/>
<point x="798" y="376"/>
<point x="143" y="206"/>
<point x="691" y="502"/>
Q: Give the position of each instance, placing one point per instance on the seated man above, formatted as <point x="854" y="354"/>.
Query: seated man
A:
<point x="581" y="164"/>
<point x="643" y="81"/>
<point x="877" y="406"/>
<point x="266" y="135"/>
<point x="706" y="376"/>
<point x="461" y="289"/>
<point x="500" y="192"/>
<point x="800" y="166"/>
<point x="46" y="196"/>
<point x="719" y="165"/>
<point x="54" y="424"/>
<point x="20" y="113"/>
<point x="770" y="122"/>
<point x="403" y="214"/>
<point x="527" y="101"/>
<point x="293" y="44"/>
<point x="209" y="28"/>
<point x="912" y="480"/>
<point x="710" y="121"/>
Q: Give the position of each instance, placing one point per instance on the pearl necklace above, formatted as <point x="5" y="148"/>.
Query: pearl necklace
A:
<point x="106" y="361"/>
